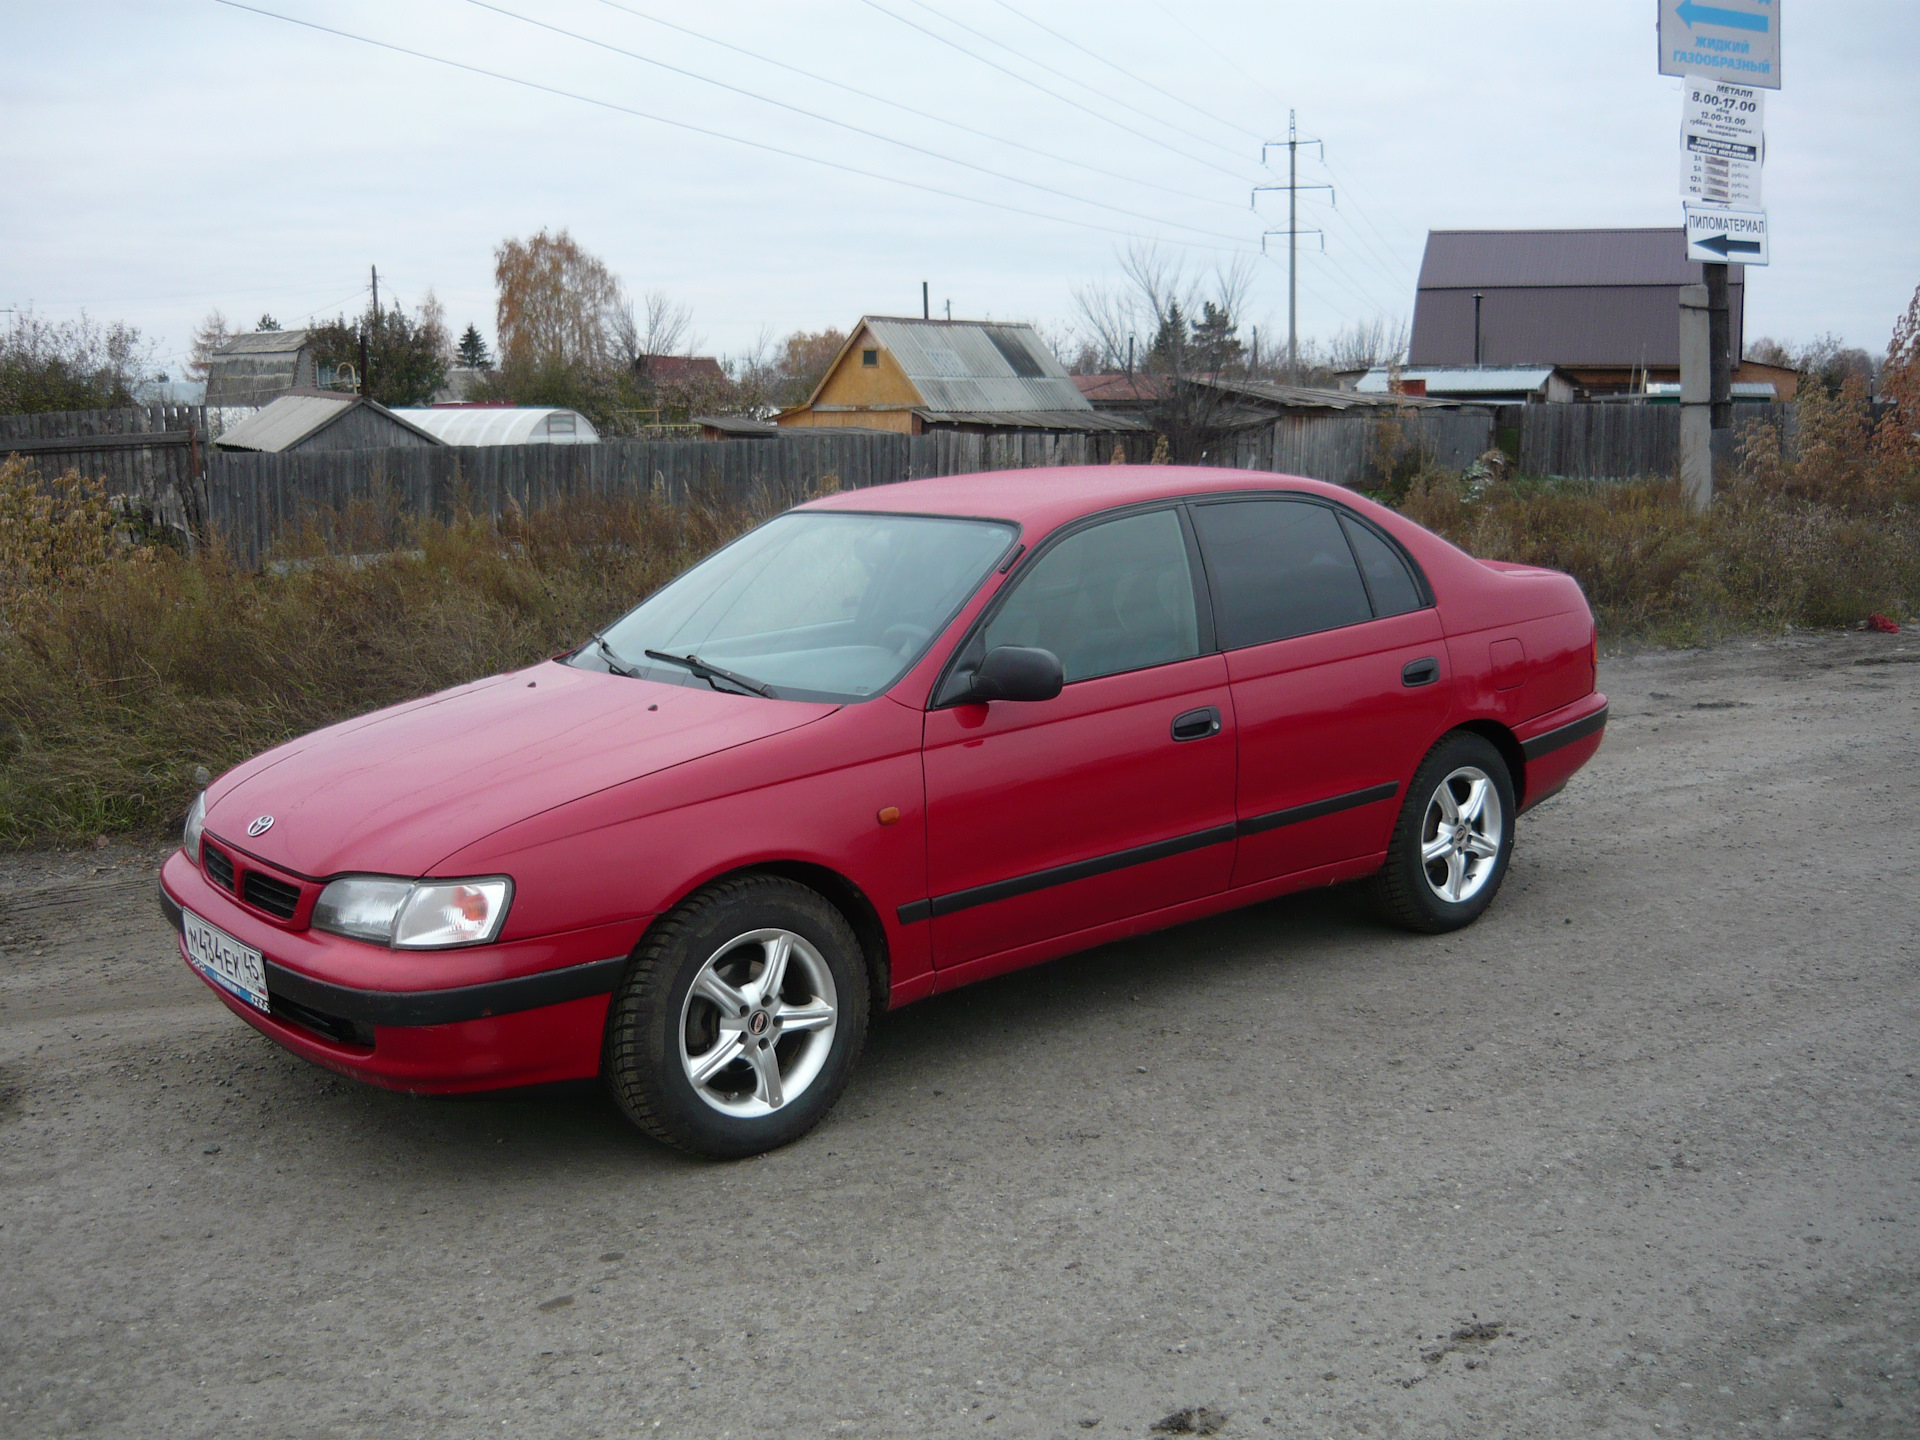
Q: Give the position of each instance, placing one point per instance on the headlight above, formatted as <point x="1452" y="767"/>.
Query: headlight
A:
<point x="414" y="915"/>
<point x="196" y="823"/>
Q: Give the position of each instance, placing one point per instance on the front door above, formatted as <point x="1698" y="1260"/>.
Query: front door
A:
<point x="1116" y="797"/>
<point x="1339" y="675"/>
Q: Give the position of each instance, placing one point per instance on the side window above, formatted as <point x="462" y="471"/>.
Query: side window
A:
<point x="1278" y="568"/>
<point x="1388" y="582"/>
<point x="1118" y="596"/>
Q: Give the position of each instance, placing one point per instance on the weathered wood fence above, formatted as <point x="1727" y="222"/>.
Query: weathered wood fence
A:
<point x="158" y="456"/>
<point x="151" y="454"/>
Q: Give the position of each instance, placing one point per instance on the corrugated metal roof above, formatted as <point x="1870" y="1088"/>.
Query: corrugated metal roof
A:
<point x="973" y="367"/>
<point x="501" y="425"/>
<point x="264" y="342"/>
<point x="294" y="416"/>
<point x="1307" y="397"/>
<point x="1085" y="418"/>
<point x="1460" y="379"/>
<point x="1480" y="259"/>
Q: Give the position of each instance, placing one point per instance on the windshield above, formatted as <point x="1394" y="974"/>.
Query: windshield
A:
<point x="815" y="605"/>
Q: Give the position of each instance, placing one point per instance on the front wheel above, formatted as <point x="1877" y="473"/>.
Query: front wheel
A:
<point x="740" y="1019"/>
<point x="1452" y="840"/>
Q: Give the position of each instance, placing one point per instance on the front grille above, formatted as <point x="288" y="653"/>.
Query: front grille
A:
<point x="276" y="897"/>
<point x="219" y="865"/>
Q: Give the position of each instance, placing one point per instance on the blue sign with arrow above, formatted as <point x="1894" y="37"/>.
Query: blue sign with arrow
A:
<point x="1735" y="40"/>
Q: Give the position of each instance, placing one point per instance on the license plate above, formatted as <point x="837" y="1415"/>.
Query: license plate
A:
<point x="225" y="961"/>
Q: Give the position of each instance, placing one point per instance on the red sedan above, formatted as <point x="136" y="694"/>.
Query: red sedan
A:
<point x="889" y="743"/>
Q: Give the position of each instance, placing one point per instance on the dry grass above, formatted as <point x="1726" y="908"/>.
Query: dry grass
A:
<point x="125" y="669"/>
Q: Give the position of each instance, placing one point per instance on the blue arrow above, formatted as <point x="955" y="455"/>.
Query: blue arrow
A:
<point x="1722" y="246"/>
<point x="1714" y="15"/>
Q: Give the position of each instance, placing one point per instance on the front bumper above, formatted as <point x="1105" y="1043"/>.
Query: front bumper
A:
<point x="522" y="1013"/>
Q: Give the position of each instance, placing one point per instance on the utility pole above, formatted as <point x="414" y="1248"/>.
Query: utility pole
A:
<point x="366" y="366"/>
<point x="926" y="309"/>
<point x="1293" y="232"/>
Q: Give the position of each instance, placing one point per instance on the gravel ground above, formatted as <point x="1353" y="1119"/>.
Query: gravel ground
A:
<point x="1635" y="1155"/>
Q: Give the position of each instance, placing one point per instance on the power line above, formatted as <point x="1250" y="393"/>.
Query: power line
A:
<point x="1122" y="70"/>
<point x="698" y="129"/>
<point x="841" y="124"/>
<point x="922" y="114"/>
<point x="1072" y="79"/>
<point x="1035" y="84"/>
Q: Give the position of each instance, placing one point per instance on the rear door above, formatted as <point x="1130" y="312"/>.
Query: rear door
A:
<point x="1339" y="676"/>
<point x="1114" y="798"/>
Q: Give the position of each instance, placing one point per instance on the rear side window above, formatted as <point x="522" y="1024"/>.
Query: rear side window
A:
<point x="1388" y="582"/>
<point x="1278" y="568"/>
<point x="1117" y="596"/>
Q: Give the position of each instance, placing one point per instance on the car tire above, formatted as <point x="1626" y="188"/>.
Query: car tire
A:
<point x="698" y="1056"/>
<point x="1452" y="839"/>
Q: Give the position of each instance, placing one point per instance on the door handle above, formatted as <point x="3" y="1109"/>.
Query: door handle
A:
<point x="1196" y="724"/>
<point x="1421" y="672"/>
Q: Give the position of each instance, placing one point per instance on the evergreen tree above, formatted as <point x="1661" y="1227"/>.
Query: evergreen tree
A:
<point x="472" y="351"/>
<point x="267" y="322"/>
<point x="1216" y="340"/>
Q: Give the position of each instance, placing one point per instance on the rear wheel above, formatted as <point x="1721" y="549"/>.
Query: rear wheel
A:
<point x="740" y="1019"/>
<point x="1452" y="840"/>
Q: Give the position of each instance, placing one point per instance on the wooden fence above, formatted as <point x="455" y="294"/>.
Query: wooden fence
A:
<point x="1624" y="442"/>
<point x="151" y="454"/>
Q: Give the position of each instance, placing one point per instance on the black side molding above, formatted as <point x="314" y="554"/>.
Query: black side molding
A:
<point x="1259" y="824"/>
<point x="1062" y="874"/>
<point x="1555" y="739"/>
<point x="170" y="908"/>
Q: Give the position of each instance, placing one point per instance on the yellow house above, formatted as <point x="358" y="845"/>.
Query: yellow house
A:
<point x="912" y="376"/>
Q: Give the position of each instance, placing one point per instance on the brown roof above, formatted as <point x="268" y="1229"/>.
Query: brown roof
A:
<point x="680" y="369"/>
<point x="1557" y="297"/>
<point x="1120" y="388"/>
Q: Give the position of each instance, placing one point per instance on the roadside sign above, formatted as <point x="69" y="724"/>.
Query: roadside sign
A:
<point x="1722" y="143"/>
<point x="1719" y="236"/>
<point x="1737" y="40"/>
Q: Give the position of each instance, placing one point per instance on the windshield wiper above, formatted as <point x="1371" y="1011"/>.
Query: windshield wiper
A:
<point x="710" y="673"/>
<point x="612" y="657"/>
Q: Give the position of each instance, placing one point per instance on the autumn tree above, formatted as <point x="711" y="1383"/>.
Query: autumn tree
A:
<point x="556" y="304"/>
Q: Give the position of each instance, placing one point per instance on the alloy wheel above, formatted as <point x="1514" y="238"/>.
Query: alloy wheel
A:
<point x="1460" y="835"/>
<point x="758" y="1023"/>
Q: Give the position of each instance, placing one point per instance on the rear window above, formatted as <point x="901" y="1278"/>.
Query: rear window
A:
<point x="1278" y="568"/>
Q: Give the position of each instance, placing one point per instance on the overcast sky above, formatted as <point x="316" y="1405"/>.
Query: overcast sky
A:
<point x="164" y="157"/>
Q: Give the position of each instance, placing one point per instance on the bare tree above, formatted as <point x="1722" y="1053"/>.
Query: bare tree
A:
<point x="208" y="336"/>
<point x="1367" y="343"/>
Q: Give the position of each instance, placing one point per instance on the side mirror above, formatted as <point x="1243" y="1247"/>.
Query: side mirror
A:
<point x="1017" y="672"/>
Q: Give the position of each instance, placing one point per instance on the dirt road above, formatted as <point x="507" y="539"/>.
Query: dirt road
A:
<point x="1635" y="1155"/>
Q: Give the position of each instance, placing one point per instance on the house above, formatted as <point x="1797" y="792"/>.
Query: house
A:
<point x="1603" y="306"/>
<point x="913" y="376"/>
<point x="1475" y="384"/>
<point x="258" y="368"/>
<point x="304" y="420"/>
<point x="482" y="423"/>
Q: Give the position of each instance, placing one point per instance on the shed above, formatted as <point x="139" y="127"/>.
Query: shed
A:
<point x="911" y="376"/>
<point x="257" y="369"/>
<point x="503" y="425"/>
<point x="1244" y="403"/>
<point x="323" y="420"/>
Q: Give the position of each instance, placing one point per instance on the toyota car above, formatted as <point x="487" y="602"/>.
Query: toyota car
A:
<point x="891" y="742"/>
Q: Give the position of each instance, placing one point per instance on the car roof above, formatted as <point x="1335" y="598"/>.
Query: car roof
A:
<point x="1041" y="500"/>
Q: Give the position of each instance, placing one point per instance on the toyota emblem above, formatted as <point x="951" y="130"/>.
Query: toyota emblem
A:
<point x="758" y="1024"/>
<point x="260" y="826"/>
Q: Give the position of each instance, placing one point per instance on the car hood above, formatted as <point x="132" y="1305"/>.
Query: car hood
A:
<point x="395" y="791"/>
